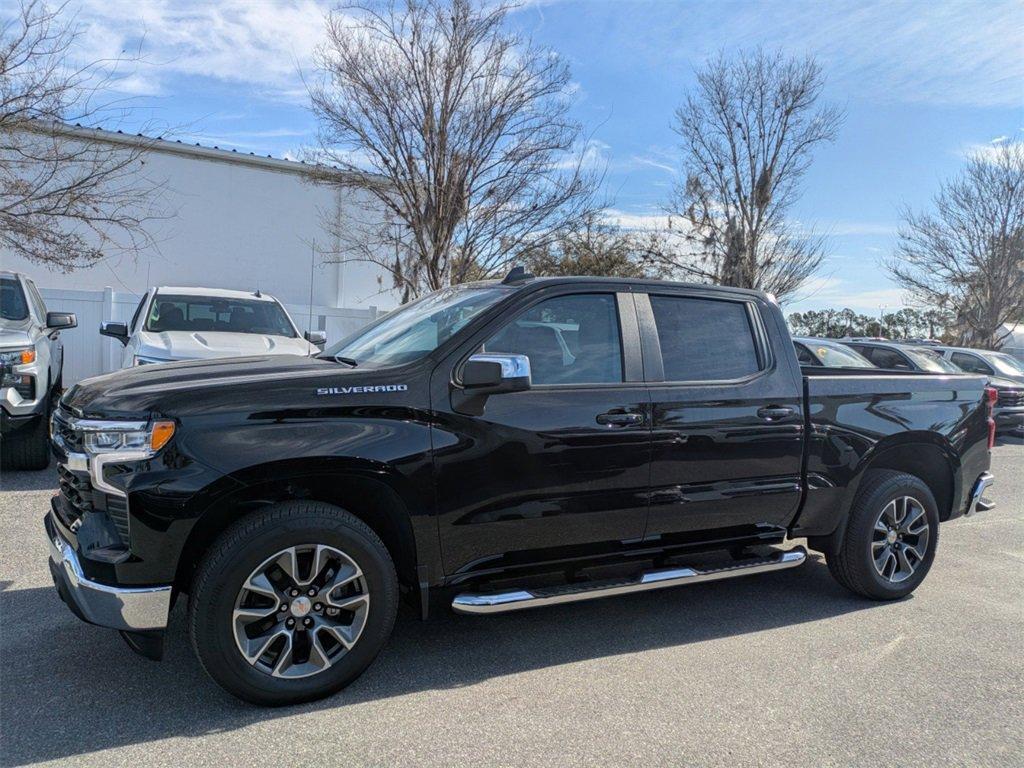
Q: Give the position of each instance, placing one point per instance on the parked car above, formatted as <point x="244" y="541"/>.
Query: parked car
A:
<point x="902" y="357"/>
<point x="31" y="368"/>
<point x="494" y="446"/>
<point x="1005" y="373"/>
<point x="828" y="353"/>
<point x="171" y="324"/>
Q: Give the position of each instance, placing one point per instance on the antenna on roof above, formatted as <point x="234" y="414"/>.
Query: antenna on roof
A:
<point x="258" y="295"/>
<point x="517" y="275"/>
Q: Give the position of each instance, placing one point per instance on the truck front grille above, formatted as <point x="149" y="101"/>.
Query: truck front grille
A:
<point x="1011" y="398"/>
<point x="62" y="429"/>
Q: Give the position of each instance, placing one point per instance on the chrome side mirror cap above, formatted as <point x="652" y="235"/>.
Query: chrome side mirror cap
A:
<point x="493" y="374"/>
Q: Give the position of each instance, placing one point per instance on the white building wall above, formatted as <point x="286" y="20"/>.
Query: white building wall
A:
<point x="234" y="221"/>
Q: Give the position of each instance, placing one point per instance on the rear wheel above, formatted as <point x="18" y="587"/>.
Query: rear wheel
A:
<point x="891" y="537"/>
<point x="292" y="603"/>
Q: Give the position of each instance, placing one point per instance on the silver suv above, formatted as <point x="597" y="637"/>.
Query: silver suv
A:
<point x="31" y="361"/>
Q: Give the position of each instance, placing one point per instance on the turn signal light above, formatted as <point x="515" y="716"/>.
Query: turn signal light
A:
<point x="162" y="432"/>
<point x="28" y="356"/>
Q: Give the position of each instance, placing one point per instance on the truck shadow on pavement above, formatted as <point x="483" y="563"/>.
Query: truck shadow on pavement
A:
<point x="72" y="689"/>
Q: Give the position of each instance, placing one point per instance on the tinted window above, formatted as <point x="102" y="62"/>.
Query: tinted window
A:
<point x="804" y="356"/>
<point x="833" y="355"/>
<point x="970" y="363"/>
<point x="569" y="340"/>
<point x="212" y="314"/>
<point x="887" y="358"/>
<point x="12" y="300"/>
<point x="704" y="339"/>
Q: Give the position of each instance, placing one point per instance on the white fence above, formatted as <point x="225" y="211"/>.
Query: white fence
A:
<point x="86" y="353"/>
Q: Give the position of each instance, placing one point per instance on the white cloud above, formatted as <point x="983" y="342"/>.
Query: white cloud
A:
<point x="259" y="43"/>
<point x="987" y="151"/>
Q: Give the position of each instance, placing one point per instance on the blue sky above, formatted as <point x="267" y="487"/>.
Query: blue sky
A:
<point x="923" y="84"/>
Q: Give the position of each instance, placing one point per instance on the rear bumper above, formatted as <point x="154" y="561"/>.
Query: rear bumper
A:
<point x="132" y="609"/>
<point x="977" y="501"/>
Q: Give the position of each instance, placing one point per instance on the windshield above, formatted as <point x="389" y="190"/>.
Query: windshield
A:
<point x="929" y="361"/>
<point x="12" y="300"/>
<point x="1004" y="363"/>
<point x="836" y="355"/>
<point x="416" y="329"/>
<point x="211" y="314"/>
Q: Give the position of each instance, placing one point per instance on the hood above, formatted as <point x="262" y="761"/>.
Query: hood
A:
<point x="203" y="345"/>
<point x="15" y="333"/>
<point x="1001" y="382"/>
<point x="207" y="386"/>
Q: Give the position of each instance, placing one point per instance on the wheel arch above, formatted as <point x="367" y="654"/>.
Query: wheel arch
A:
<point x="925" y="455"/>
<point x="370" y="492"/>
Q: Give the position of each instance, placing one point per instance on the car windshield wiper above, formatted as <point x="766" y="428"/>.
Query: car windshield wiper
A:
<point x="346" y="360"/>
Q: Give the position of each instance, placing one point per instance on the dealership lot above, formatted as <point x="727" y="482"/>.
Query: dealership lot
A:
<point x="783" y="667"/>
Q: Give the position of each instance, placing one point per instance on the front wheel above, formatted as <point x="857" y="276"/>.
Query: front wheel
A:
<point x="292" y="603"/>
<point x="890" y="539"/>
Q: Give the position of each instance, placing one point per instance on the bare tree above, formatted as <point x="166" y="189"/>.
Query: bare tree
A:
<point x="67" y="196"/>
<point x="458" y="127"/>
<point x="748" y="131"/>
<point x="967" y="256"/>
<point x="595" y="247"/>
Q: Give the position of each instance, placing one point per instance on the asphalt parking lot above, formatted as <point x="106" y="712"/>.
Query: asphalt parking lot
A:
<point x="783" y="668"/>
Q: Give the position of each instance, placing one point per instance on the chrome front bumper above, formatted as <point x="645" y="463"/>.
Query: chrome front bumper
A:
<point x="978" y="502"/>
<point x="131" y="609"/>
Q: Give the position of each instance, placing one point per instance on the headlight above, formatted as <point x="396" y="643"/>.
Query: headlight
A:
<point x="11" y="358"/>
<point x="143" y="360"/>
<point x="138" y="438"/>
<point x="19" y="356"/>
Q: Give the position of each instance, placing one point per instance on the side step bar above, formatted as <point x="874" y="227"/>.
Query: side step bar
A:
<point x="501" y="602"/>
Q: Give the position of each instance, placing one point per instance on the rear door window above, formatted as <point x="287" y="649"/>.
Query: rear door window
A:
<point x="705" y="339"/>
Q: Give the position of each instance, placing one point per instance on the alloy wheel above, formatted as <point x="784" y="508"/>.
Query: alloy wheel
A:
<point x="300" y="611"/>
<point x="899" y="540"/>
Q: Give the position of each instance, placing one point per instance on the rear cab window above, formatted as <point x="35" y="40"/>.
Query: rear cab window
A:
<point x="706" y="339"/>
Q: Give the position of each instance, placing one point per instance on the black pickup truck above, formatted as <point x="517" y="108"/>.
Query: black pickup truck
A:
<point x="493" y="446"/>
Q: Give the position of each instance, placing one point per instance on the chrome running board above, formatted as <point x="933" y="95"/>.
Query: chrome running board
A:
<point x="500" y="602"/>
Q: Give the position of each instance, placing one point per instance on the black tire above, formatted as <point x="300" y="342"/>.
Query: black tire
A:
<point x="30" y="450"/>
<point x="852" y="563"/>
<point x="240" y="550"/>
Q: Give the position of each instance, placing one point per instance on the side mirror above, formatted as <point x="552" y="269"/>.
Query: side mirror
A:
<point x="117" y="331"/>
<point x="319" y="338"/>
<point x="490" y="374"/>
<point x="60" y="321"/>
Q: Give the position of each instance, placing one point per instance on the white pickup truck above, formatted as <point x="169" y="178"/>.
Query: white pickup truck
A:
<point x="172" y="324"/>
<point x="31" y="367"/>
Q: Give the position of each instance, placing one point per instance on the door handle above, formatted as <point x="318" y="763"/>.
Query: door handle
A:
<point x="775" y="412"/>
<point x="620" y="419"/>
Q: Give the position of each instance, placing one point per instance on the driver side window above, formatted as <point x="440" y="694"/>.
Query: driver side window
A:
<point x="568" y="339"/>
<point x="970" y="363"/>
